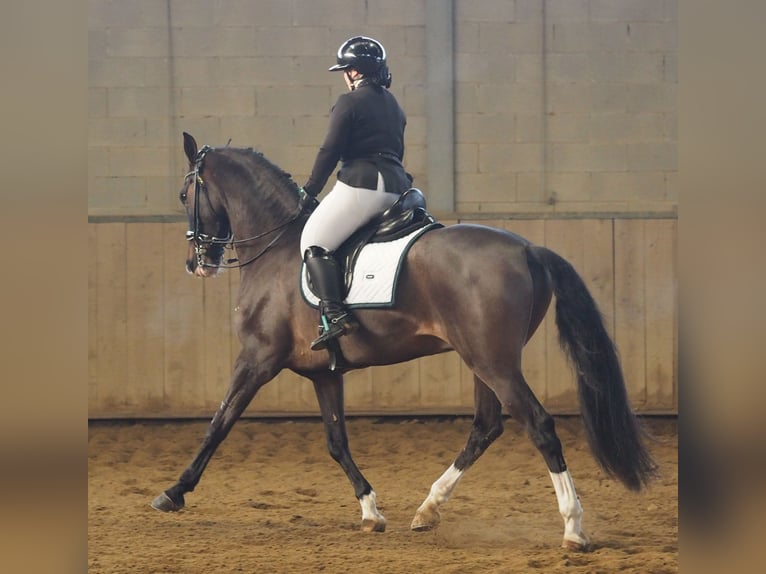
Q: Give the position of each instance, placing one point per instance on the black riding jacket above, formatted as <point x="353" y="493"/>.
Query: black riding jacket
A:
<point x="366" y="133"/>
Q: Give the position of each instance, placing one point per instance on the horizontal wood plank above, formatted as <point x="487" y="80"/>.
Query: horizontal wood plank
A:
<point x="161" y="343"/>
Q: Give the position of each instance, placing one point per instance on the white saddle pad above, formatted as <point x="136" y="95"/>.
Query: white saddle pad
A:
<point x="375" y="273"/>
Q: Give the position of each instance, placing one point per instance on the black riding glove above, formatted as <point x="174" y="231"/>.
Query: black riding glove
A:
<point x="306" y="202"/>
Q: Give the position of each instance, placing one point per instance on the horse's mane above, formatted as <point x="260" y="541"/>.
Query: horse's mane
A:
<point x="271" y="177"/>
<point x="271" y="166"/>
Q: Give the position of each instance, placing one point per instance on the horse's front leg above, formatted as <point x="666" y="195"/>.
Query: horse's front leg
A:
<point x="245" y="383"/>
<point x="329" y="391"/>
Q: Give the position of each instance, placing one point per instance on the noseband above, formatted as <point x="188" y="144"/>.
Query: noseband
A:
<point x="202" y="241"/>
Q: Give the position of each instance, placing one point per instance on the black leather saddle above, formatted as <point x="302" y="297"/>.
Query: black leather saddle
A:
<point x="402" y="218"/>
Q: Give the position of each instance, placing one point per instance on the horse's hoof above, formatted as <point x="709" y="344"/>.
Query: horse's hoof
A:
<point x="575" y="545"/>
<point x="165" y="504"/>
<point x="370" y="525"/>
<point x="423" y="523"/>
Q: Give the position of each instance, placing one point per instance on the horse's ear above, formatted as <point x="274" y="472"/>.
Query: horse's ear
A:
<point x="190" y="147"/>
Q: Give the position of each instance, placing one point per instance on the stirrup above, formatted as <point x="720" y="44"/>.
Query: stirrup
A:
<point x="336" y="327"/>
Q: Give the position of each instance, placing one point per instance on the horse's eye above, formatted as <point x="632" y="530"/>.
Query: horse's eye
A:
<point x="182" y="196"/>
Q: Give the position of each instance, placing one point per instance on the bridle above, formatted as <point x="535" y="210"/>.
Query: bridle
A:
<point x="202" y="241"/>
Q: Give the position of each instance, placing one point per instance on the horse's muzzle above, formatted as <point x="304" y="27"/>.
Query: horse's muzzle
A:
<point x="204" y="261"/>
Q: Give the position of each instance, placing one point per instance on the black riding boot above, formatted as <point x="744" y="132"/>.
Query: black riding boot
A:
<point x="325" y="274"/>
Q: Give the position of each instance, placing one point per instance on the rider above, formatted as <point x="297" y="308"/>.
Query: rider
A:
<point x="366" y="133"/>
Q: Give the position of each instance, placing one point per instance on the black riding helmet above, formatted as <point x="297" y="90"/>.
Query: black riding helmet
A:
<point x="367" y="56"/>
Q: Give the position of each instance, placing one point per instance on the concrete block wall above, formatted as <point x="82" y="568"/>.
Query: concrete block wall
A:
<point x="561" y="106"/>
<point x="566" y="106"/>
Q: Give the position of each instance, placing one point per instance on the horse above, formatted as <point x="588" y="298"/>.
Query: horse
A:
<point x="474" y="289"/>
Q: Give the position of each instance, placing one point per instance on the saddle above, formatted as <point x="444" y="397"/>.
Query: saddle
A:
<point x="402" y="218"/>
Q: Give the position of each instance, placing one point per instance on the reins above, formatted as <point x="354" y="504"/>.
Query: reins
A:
<point x="203" y="240"/>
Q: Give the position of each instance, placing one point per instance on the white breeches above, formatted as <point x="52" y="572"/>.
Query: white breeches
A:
<point x="342" y="212"/>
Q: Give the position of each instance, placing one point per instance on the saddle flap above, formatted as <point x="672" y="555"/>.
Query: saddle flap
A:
<point x="375" y="272"/>
<point x="402" y="218"/>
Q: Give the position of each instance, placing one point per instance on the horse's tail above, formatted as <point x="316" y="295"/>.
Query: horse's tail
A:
<point x="612" y="430"/>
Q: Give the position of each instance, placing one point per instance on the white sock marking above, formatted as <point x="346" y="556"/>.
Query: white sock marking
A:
<point x="569" y="506"/>
<point x="442" y="489"/>
<point x="369" y="507"/>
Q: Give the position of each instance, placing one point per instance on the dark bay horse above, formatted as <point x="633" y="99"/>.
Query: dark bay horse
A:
<point x="477" y="290"/>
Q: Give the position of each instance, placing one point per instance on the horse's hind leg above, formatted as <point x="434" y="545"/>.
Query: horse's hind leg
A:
<point x="487" y="426"/>
<point x="329" y="391"/>
<point x="540" y="426"/>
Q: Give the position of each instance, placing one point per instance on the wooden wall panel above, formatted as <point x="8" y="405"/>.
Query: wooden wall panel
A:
<point x="93" y="378"/>
<point x="661" y="315"/>
<point x="110" y="319"/>
<point x="184" y="364"/>
<point x="161" y="342"/>
<point x="598" y="266"/>
<point x="358" y="390"/>
<point x="630" y="306"/>
<point x="439" y="377"/>
<point x="293" y="393"/>
<point x="145" y="307"/>
<point x="396" y="384"/>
